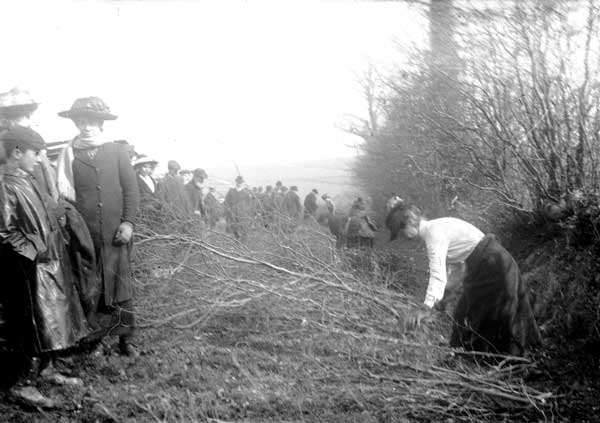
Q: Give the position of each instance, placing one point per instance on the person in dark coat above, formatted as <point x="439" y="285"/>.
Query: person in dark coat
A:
<point x="151" y="208"/>
<point x="40" y="311"/>
<point x="96" y="175"/>
<point x="360" y="228"/>
<point x="310" y="204"/>
<point x="493" y="314"/>
<point x="186" y="176"/>
<point x="292" y="205"/>
<point x="267" y="206"/>
<point x="329" y="203"/>
<point x="237" y="203"/>
<point x="193" y="191"/>
<point x="144" y="167"/>
<point x="212" y="208"/>
<point x="171" y="191"/>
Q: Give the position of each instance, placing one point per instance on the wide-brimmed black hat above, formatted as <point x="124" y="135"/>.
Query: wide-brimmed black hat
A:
<point x="93" y="107"/>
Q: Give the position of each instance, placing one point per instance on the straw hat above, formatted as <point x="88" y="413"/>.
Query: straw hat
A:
<point x="93" y="107"/>
<point x="142" y="160"/>
<point x="17" y="102"/>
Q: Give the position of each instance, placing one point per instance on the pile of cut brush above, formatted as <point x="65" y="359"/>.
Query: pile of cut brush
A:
<point x="333" y="335"/>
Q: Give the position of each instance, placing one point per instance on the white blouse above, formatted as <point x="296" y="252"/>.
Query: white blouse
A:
<point x="448" y="240"/>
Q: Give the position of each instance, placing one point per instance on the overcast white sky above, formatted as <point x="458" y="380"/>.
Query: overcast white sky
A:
<point x="206" y="82"/>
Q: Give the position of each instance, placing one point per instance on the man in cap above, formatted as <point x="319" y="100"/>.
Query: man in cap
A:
<point x="310" y="204"/>
<point x="292" y="205"/>
<point x="171" y="191"/>
<point x="40" y="312"/>
<point x="194" y="189"/>
<point x="96" y="175"/>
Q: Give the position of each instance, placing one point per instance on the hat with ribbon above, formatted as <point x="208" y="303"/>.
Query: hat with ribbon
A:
<point x="142" y="160"/>
<point x="92" y="107"/>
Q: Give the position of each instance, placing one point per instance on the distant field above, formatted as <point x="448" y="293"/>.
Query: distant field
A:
<point x="330" y="176"/>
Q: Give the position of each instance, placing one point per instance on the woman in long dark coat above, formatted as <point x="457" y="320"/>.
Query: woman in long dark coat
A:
<point x="96" y="175"/>
<point x="144" y="167"/>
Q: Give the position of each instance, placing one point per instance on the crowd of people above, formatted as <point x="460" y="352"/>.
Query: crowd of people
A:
<point x="184" y="193"/>
<point x="66" y="235"/>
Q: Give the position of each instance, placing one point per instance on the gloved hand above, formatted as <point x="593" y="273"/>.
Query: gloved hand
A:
<point x="124" y="233"/>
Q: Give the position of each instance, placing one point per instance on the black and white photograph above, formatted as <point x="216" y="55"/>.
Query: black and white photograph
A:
<point x="332" y="211"/>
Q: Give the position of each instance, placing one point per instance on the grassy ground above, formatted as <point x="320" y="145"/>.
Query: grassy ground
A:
<point x="310" y="336"/>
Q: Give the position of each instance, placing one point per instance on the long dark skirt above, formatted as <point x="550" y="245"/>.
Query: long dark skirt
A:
<point x="493" y="314"/>
<point x="18" y="340"/>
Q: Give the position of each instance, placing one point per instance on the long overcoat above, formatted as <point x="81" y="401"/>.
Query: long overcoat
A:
<point x="171" y="191"/>
<point x="39" y="304"/>
<point x="237" y="204"/>
<point x="212" y="208"/>
<point x="310" y="204"/>
<point x="194" y="198"/>
<point x="292" y="205"/>
<point x="107" y="194"/>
